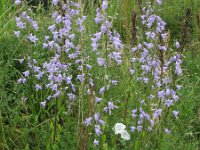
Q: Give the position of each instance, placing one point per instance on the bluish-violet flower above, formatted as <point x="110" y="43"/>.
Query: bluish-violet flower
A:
<point x="36" y="69"/>
<point x="43" y="104"/>
<point x="133" y="113"/>
<point x="104" y="5"/>
<point x="114" y="82"/>
<point x="52" y="27"/>
<point x="139" y="128"/>
<point x="159" y="2"/>
<point x="103" y="29"/>
<point x="17" y="19"/>
<point x="80" y="23"/>
<point x="32" y="38"/>
<point x="21" y="25"/>
<point x="49" y="97"/>
<point x="117" y="42"/>
<point x="178" y="87"/>
<point x="75" y="4"/>
<point x="168" y="91"/>
<point x="57" y="94"/>
<point x="116" y="56"/>
<point x="68" y="80"/>
<point x="88" y="121"/>
<point x="146" y="68"/>
<point x="149" y="45"/>
<point x="132" y="128"/>
<point x="152" y="122"/>
<point x="174" y="96"/>
<point x="73" y="87"/>
<point x="96" y="142"/>
<point x="45" y="45"/>
<point x="177" y="45"/>
<point x="55" y="2"/>
<point x="178" y="69"/>
<point x="99" y="17"/>
<point x="98" y="130"/>
<point x="96" y="117"/>
<point x="101" y="61"/>
<point x="168" y="102"/>
<point x="71" y="96"/>
<point x="150" y="35"/>
<point x="17" y="2"/>
<point x="101" y="122"/>
<point x="72" y="56"/>
<point x="161" y="94"/>
<point x="132" y="71"/>
<point x="21" y="80"/>
<point x="149" y="129"/>
<point x="134" y="49"/>
<point x="35" y="25"/>
<point x="54" y="87"/>
<point x="157" y="113"/>
<point x="26" y="73"/>
<point x="55" y="14"/>
<point x="21" y="61"/>
<point x="105" y="109"/>
<point x="167" y="131"/>
<point x="24" y="15"/>
<point x="81" y="77"/>
<point x="97" y="99"/>
<point x="164" y="36"/>
<point x="175" y="113"/>
<point x="111" y="106"/>
<point x="146" y="80"/>
<point x="102" y="90"/>
<point x="58" y="19"/>
<point x="17" y="33"/>
<point x="162" y="48"/>
<point x="89" y="66"/>
<point x="38" y="87"/>
<point x="151" y="96"/>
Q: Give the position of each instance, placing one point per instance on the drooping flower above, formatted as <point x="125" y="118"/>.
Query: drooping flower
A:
<point x="17" y="2"/>
<point x="98" y="130"/>
<point x="96" y="142"/>
<point x="88" y="121"/>
<point x="175" y="113"/>
<point x="177" y="45"/>
<point x="97" y="99"/>
<point x="17" y="33"/>
<point x="101" y="61"/>
<point x="43" y="104"/>
<point x="132" y="128"/>
<point x="55" y="2"/>
<point x="32" y="38"/>
<point x="104" y="5"/>
<point x="167" y="131"/>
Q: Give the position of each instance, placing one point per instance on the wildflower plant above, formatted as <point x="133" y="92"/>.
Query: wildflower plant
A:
<point x="67" y="85"/>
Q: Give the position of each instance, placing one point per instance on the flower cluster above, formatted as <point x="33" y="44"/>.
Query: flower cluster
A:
<point x="154" y="64"/>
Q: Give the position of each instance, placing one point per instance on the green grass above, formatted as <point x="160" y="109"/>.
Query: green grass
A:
<point x="24" y="126"/>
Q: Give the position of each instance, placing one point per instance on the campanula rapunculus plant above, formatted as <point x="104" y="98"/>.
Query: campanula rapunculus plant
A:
<point x="74" y="80"/>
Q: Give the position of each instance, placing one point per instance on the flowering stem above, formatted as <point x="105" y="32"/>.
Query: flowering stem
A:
<point x="55" y="121"/>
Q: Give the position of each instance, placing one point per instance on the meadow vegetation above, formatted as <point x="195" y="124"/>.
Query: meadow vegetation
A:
<point x="98" y="75"/>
